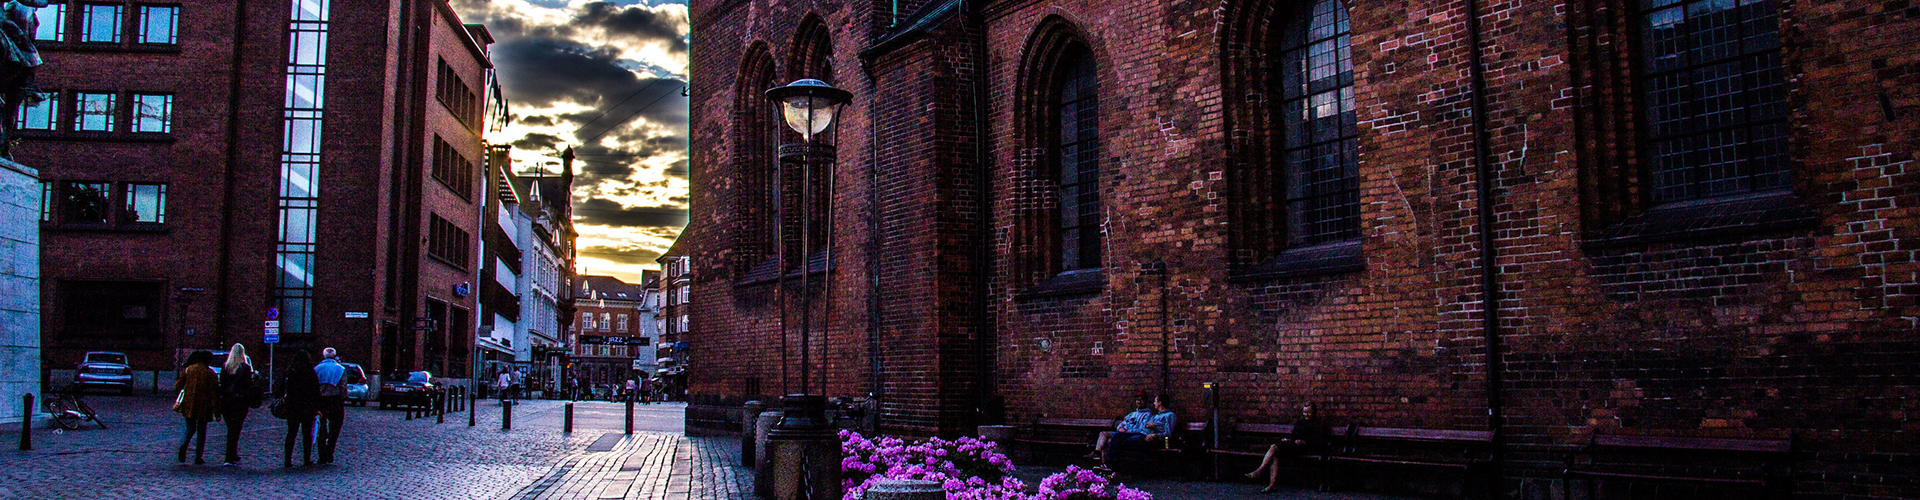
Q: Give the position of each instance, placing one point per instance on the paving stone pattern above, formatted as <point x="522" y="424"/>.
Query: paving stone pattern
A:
<point x="381" y="456"/>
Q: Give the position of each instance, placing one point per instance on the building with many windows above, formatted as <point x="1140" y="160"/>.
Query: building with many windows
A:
<point x="1544" y="222"/>
<point x="614" y="337"/>
<point x="526" y="270"/>
<point x="218" y="172"/>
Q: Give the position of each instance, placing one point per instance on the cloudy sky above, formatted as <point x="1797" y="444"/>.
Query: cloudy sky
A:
<point x="604" y="77"/>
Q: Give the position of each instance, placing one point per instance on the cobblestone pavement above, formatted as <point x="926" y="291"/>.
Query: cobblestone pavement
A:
<point x="382" y="455"/>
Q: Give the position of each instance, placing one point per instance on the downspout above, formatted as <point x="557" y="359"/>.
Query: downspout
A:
<point x="987" y="342"/>
<point x="222" y="302"/>
<point x="876" y="391"/>
<point x="1489" y="256"/>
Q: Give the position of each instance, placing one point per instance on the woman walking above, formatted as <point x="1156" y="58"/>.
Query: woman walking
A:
<point x="237" y="395"/>
<point x="300" y="392"/>
<point x="196" y="402"/>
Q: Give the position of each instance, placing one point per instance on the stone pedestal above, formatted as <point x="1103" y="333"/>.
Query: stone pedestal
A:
<point x="805" y="452"/>
<point x="19" y="288"/>
<point x="905" y="489"/>
<point x="749" y="417"/>
<point x="763" y="460"/>
<point x="996" y="433"/>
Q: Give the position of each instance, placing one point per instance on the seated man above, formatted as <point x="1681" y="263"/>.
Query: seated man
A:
<point x="1308" y="436"/>
<point x="1138" y="429"/>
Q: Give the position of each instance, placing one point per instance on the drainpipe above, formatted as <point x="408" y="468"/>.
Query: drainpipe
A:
<point x="1489" y="256"/>
<point x="875" y="378"/>
<point x="987" y="343"/>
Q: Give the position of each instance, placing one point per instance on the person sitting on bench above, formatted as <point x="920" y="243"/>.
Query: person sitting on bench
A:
<point x="1145" y="425"/>
<point x="1309" y="436"/>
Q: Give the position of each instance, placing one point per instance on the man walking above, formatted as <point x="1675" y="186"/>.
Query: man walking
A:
<point x="333" y="395"/>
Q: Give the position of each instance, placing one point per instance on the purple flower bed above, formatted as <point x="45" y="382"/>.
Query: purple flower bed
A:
<point x="968" y="468"/>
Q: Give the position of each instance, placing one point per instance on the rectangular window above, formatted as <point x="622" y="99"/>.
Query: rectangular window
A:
<point x="1715" y="97"/>
<point x="622" y="324"/>
<point x="53" y="23"/>
<point x="42" y="115"/>
<point x="146" y="203"/>
<point x="448" y="242"/>
<point x="157" y="24"/>
<point x="606" y="321"/>
<point x="153" y="113"/>
<point x="586" y="321"/>
<point x="84" y="202"/>
<point x="452" y="169"/>
<point x="117" y="314"/>
<point x="46" y="201"/>
<point x="93" y="112"/>
<point x="101" y="23"/>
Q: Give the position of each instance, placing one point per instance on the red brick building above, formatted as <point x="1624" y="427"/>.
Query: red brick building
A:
<point x="614" y="335"/>
<point x="207" y="161"/>
<point x="1547" y="221"/>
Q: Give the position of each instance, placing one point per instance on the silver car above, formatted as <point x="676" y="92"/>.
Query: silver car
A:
<point x="356" y="380"/>
<point x="104" y="370"/>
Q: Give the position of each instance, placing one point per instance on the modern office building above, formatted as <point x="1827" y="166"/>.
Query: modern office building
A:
<point x="219" y="172"/>
<point x="1544" y="222"/>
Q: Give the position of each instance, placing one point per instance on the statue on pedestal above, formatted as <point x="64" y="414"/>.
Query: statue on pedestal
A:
<point x="17" y="88"/>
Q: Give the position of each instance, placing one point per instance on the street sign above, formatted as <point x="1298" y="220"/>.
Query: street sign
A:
<point x="273" y="313"/>
<point x="356" y="314"/>
<point x="273" y="331"/>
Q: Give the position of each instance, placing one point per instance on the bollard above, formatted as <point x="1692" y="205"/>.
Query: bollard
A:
<point x="747" y="419"/>
<point x="470" y="410"/>
<point x="763" y="459"/>
<point x="409" y="410"/>
<point x="26" y="422"/>
<point x="629" y="415"/>
<point x="156" y="381"/>
<point x="905" y="489"/>
<point x="566" y="424"/>
<point x="440" y="413"/>
<point x="506" y="415"/>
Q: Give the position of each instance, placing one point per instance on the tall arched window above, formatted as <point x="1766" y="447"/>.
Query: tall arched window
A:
<point x="1715" y="98"/>
<point x="1318" y="180"/>
<point x="1074" y="113"/>
<point x="755" y="167"/>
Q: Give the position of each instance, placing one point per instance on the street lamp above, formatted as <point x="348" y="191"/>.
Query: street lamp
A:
<point x="805" y="452"/>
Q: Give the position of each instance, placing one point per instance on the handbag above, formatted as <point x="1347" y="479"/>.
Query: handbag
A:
<point x="278" y="408"/>
<point x="179" y="400"/>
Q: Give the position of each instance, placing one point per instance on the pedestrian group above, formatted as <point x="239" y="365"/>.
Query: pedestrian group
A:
<point x="306" y="391"/>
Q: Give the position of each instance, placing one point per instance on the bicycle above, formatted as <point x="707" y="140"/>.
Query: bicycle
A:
<point x="69" y="411"/>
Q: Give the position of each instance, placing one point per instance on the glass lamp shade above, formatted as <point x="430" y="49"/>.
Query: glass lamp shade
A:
<point x="808" y="115"/>
<point x="808" y="105"/>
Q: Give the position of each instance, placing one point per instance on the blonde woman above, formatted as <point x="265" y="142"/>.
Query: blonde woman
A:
<point x="237" y="395"/>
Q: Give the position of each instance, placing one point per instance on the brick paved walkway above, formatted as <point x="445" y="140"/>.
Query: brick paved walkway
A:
<point x="381" y="456"/>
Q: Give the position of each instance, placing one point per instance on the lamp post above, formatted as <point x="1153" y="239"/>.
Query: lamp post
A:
<point x="805" y="453"/>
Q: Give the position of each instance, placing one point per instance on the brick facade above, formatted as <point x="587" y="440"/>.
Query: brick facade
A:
<point x="1771" y="314"/>
<point x="205" y="277"/>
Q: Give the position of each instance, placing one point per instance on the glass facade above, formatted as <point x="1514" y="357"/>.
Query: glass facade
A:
<point x="300" y="164"/>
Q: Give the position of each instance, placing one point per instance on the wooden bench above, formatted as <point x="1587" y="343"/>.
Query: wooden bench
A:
<point x="1246" y="440"/>
<point x="1464" y="451"/>
<point x="1762" y="464"/>
<point x="1183" y="450"/>
<point x="1062" y="432"/>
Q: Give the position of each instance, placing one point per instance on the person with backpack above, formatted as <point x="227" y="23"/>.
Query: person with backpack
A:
<point x="333" y="398"/>
<point x="238" y="394"/>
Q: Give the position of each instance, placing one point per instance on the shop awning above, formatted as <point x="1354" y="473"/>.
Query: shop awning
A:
<point x="492" y="344"/>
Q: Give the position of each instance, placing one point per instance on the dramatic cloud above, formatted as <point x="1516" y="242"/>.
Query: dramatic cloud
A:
<point x="605" y="79"/>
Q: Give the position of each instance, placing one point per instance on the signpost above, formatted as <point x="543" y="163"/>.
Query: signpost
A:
<point x="272" y="331"/>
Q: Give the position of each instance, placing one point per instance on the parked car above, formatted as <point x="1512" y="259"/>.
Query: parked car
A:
<point x="356" y="380"/>
<point x="105" y="370"/>
<point x="415" y="392"/>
